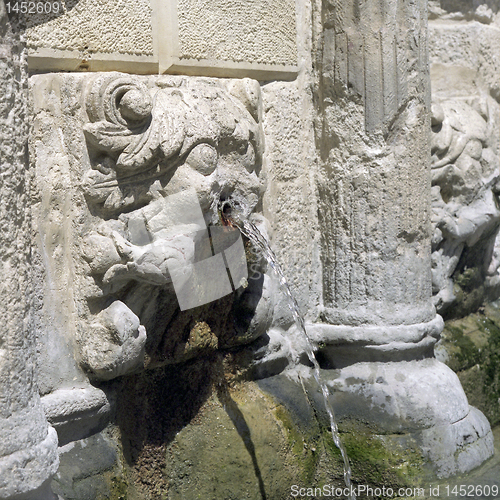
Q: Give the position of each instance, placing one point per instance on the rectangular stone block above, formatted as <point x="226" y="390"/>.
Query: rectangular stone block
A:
<point x="223" y="38"/>
<point x="92" y="35"/>
<point x="255" y="38"/>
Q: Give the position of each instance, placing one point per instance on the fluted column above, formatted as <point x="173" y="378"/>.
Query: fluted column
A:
<point x="374" y="181"/>
<point x="28" y="446"/>
<point x="376" y="325"/>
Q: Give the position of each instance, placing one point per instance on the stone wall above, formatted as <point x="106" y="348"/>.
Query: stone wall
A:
<point x="195" y="37"/>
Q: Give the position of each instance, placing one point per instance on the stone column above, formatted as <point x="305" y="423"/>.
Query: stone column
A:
<point x="377" y="321"/>
<point x="28" y="446"/>
<point x="375" y="177"/>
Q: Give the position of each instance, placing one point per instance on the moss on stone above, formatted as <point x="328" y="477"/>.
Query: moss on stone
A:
<point x="378" y="460"/>
<point x="305" y="449"/>
<point x="468" y="283"/>
<point x="491" y="368"/>
<point x="469" y="279"/>
<point x="472" y="346"/>
<point x="468" y="353"/>
<point x="119" y="488"/>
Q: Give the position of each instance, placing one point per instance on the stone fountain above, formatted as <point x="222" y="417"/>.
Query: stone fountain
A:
<point x="145" y="336"/>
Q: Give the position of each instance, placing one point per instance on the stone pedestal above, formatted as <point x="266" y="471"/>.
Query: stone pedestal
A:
<point x="28" y="446"/>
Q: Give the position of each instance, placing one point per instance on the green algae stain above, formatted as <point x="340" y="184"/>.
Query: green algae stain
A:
<point x="468" y="353"/>
<point x="305" y="449"/>
<point x="119" y="488"/>
<point x="374" y="459"/>
<point x="491" y="368"/>
<point x="473" y="347"/>
<point x="377" y="462"/>
<point x="470" y="279"/>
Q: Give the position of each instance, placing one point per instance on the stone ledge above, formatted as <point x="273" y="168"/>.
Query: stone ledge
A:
<point x="76" y="413"/>
<point x="374" y="334"/>
<point x="46" y="59"/>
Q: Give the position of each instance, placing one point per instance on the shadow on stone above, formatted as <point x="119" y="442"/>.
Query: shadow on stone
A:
<point x="241" y="426"/>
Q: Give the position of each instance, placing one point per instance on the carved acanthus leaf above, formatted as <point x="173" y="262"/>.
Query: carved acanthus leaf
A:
<point x="132" y="124"/>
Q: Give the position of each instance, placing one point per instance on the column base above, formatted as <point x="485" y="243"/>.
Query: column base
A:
<point x="26" y="474"/>
<point x="422" y="400"/>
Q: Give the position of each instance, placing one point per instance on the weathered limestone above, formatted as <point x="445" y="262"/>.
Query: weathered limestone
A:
<point x="194" y="37"/>
<point x="465" y="173"/>
<point x="464" y="43"/>
<point x="116" y="160"/>
<point x="28" y="446"/>
<point x="93" y="35"/>
<point x="346" y="152"/>
<point x="220" y="38"/>
<point x="374" y="204"/>
<point x="375" y="317"/>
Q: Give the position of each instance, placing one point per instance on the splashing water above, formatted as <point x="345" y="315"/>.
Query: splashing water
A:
<point x="255" y="236"/>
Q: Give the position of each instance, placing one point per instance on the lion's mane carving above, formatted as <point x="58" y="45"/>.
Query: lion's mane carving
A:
<point x="149" y="139"/>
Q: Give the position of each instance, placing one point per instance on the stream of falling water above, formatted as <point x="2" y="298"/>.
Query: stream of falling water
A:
<point x="256" y="237"/>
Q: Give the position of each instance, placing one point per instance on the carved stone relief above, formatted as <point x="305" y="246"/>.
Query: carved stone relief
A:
<point x="144" y="141"/>
<point x="350" y="208"/>
<point x="463" y="43"/>
<point x="465" y="176"/>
